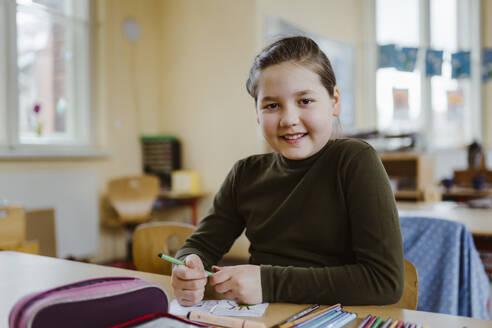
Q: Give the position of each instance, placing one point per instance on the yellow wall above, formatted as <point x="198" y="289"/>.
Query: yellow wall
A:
<point x="208" y="47"/>
<point x="129" y="75"/>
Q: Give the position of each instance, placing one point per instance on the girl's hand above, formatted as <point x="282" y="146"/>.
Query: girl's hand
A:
<point x="241" y="283"/>
<point x="189" y="281"/>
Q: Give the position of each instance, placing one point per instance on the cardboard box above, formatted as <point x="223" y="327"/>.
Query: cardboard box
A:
<point x="185" y="181"/>
<point x="31" y="247"/>
<point x="40" y="226"/>
<point x="12" y="225"/>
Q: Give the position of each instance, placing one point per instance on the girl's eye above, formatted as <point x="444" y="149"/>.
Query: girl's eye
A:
<point x="271" y="106"/>
<point x="306" y="101"/>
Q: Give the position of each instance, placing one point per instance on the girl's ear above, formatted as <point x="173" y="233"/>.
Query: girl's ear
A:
<point x="336" y="101"/>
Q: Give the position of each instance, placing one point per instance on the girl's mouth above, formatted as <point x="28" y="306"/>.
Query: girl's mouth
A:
<point x="293" y="138"/>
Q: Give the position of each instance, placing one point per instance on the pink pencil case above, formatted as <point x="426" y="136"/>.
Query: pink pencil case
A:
<point x="98" y="302"/>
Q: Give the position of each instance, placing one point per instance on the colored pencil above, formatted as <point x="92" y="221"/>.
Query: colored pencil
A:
<point x="322" y="320"/>
<point x="394" y="324"/>
<point x="346" y="320"/>
<point x="310" y="316"/>
<point x="387" y="323"/>
<point x="377" y="322"/>
<point x="363" y="323"/>
<point x="298" y="315"/>
<point x="336" y="320"/>
<point x="369" y="324"/>
<point x="176" y="261"/>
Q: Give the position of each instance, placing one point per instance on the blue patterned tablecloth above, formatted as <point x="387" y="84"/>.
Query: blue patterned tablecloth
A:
<point x="452" y="278"/>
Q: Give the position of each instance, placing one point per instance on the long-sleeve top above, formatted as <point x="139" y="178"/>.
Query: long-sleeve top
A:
<point x="324" y="229"/>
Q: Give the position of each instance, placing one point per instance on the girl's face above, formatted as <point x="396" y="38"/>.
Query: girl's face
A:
<point x="294" y="110"/>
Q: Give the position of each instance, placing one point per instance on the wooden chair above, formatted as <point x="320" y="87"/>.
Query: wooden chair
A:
<point x="152" y="238"/>
<point x="133" y="198"/>
<point x="410" y="295"/>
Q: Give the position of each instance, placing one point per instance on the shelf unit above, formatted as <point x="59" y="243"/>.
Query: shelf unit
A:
<point x="411" y="174"/>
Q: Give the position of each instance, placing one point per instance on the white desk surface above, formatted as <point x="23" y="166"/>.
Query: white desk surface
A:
<point x="21" y="274"/>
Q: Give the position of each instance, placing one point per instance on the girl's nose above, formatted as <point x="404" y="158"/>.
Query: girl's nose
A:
<point x="290" y="117"/>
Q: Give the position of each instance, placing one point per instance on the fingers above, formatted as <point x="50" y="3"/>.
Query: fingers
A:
<point x="188" y="302"/>
<point x="230" y="296"/>
<point x="189" y="298"/>
<point x="193" y="261"/>
<point x="220" y="276"/>
<point x="186" y="273"/>
<point x="224" y="287"/>
<point x="192" y="284"/>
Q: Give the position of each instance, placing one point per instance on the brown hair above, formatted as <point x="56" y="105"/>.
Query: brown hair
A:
<point x="299" y="49"/>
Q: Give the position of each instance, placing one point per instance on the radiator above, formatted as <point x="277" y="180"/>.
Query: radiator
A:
<point x="72" y="193"/>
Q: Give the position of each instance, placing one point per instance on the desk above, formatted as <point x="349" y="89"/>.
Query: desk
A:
<point x="463" y="194"/>
<point x="189" y="199"/>
<point x="477" y="220"/>
<point x="21" y="274"/>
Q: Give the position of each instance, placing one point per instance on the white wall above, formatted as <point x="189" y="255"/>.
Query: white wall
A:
<point x="73" y="195"/>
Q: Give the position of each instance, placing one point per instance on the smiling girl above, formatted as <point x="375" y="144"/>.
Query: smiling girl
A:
<point x="319" y="212"/>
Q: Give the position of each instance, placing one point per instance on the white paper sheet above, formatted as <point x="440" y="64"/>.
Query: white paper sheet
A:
<point x="220" y="307"/>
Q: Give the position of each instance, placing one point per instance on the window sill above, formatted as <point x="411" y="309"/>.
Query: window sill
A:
<point x="29" y="153"/>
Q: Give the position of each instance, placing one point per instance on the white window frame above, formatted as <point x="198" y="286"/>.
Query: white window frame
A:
<point x="10" y="143"/>
<point x="370" y="58"/>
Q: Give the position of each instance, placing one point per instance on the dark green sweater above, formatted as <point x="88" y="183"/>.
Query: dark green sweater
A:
<point x="324" y="229"/>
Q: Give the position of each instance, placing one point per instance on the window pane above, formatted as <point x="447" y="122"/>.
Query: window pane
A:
<point x="70" y="8"/>
<point x="3" y="73"/>
<point x="397" y="92"/>
<point x="43" y="78"/>
<point x="449" y="96"/>
<point x="398" y="100"/>
<point x="397" y="21"/>
<point x="443" y="25"/>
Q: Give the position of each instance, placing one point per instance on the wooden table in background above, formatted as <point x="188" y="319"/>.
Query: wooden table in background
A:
<point x="463" y="194"/>
<point x="184" y="199"/>
<point x="477" y="220"/>
<point x="21" y="274"/>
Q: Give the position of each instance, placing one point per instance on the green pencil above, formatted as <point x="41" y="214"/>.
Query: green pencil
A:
<point x="176" y="261"/>
<point x="377" y="322"/>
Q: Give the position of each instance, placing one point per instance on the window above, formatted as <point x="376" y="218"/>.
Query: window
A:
<point x="45" y="72"/>
<point x="444" y="110"/>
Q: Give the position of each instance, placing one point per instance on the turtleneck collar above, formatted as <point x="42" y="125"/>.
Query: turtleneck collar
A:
<point x="302" y="163"/>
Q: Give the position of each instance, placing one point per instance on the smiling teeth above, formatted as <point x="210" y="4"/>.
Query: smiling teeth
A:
<point x="297" y="136"/>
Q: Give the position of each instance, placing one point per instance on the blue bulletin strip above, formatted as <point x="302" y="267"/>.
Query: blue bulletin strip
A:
<point x="406" y="59"/>
<point x="460" y="63"/>
<point x="433" y="62"/>
<point x="487" y="64"/>
<point x="387" y="56"/>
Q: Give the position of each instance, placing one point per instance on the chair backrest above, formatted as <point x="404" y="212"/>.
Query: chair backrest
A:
<point x="133" y="197"/>
<point x="410" y="295"/>
<point x="150" y="239"/>
<point x="452" y="278"/>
